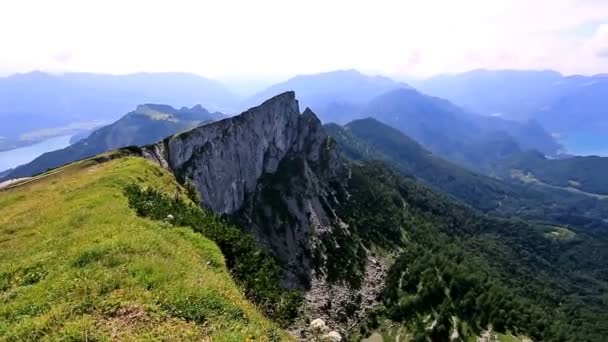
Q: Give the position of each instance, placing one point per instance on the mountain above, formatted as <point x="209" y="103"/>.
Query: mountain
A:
<point x="570" y="107"/>
<point x="343" y="96"/>
<point x="579" y="110"/>
<point x="586" y="174"/>
<point x="529" y="134"/>
<point x="509" y="93"/>
<point x="5" y="173"/>
<point x="335" y="95"/>
<point x="455" y="134"/>
<point x="271" y="143"/>
<point x="357" y="248"/>
<point x="146" y="124"/>
<point x="67" y="103"/>
<point x="369" y="139"/>
<point x="333" y="226"/>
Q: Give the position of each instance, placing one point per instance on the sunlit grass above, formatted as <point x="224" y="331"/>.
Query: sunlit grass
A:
<point x="77" y="264"/>
<point x="558" y="233"/>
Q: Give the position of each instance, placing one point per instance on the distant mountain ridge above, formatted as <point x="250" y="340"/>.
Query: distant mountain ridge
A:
<point x="334" y="95"/>
<point x="586" y="174"/>
<point x="369" y="139"/>
<point x="146" y="124"/>
<point x="574" y="108"/>
<point x="41" y="104"/>
<point x="455" y="134"/>
<point x="441" y="126"/>
<point x="509" y="93"/>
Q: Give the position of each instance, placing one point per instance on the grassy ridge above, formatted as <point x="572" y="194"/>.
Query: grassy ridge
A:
<point x="77" y="263"/>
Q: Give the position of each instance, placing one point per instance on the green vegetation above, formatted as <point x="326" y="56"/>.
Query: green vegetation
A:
<point x="451" y="132"/>
<point x="508" y="338"/>
<point x="369" y="139"/>
<point x="484" y="271"/>
<point x="257" y="272"/>
<point x="76" y="263"/>
<point x="587" y="174"/>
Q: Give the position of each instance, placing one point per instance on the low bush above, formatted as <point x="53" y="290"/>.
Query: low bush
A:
<point x="257" y="272"/>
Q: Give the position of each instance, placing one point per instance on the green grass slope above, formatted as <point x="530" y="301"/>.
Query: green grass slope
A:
<point x="76" y="263"/>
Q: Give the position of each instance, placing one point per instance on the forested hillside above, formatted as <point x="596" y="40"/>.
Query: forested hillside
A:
<point x="463" y="270"/>
<point x="369" y="139"/>
<point x="587" y="174"/>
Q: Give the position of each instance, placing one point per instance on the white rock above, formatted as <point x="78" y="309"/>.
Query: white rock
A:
<point x="318" y="325"/>
<point x="169" y="217"/>
<point x="332" y="336"/>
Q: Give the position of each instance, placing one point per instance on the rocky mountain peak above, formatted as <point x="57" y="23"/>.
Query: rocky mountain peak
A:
<point x="198" y="108"/>
<point x="226" y="159"/>
<point x="275" y="171"/>
<point x="152" y="107"/>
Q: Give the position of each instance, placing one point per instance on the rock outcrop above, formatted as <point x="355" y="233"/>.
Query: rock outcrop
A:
<point x="277" y="173"/>
<point x="226" y="159"/>
<point x="269" y="167"/>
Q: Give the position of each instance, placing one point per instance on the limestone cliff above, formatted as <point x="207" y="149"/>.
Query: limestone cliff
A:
<point x="271" y="167"/>
<point x="277" y="173"/>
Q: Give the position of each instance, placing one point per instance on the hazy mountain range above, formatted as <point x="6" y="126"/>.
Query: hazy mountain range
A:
<point x="522" y="108"/>
<point x="449" y="131"/>
<point x="144" y="125"/>
<point x="574" y="108"/>
<point x="570" y="108"/>
<point x="38" y="105"/>
<point x="335" y="95"/>
<point x="441" y="126"/>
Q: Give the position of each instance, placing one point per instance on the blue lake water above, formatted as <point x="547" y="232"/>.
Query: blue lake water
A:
<point x="587" y="144"/>
<point x="12" y="158"/>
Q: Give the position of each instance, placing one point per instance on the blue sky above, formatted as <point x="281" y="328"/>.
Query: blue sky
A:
<point x="274" y="39"/>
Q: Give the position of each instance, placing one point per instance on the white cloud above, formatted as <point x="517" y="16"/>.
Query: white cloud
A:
<point x="599" y="43"/>
<point x="279" y="38"/>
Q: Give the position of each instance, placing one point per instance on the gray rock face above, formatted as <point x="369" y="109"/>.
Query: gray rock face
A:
<point x="270" y="168"/>
<point x="277" y="173"/>
<point x="226" y="159"/>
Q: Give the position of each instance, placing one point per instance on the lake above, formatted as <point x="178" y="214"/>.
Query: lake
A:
<point x="22" y="155"/>
<point x="586" y="143"/>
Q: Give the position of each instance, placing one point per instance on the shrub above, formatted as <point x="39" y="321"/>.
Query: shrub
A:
<point x="253" y="269"/>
